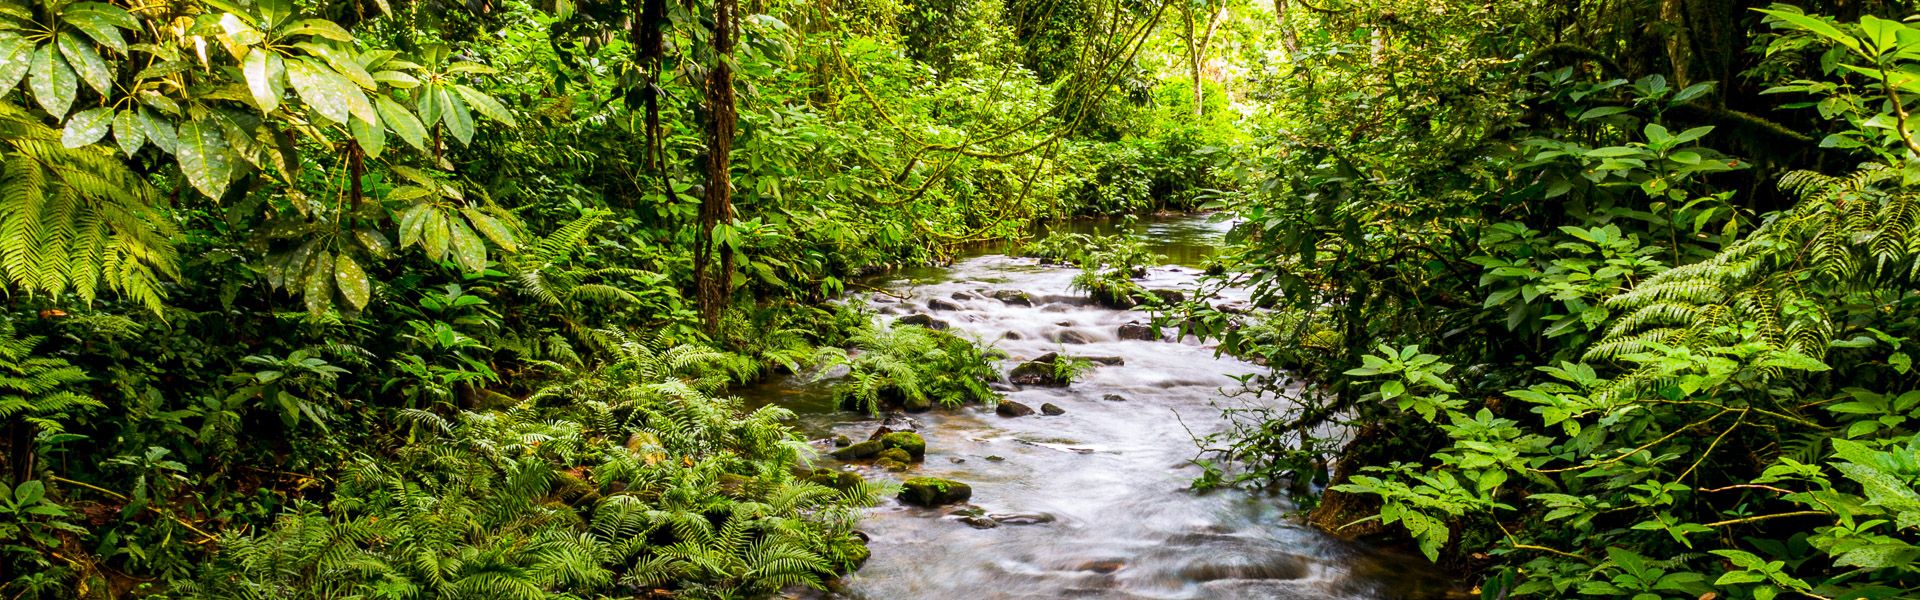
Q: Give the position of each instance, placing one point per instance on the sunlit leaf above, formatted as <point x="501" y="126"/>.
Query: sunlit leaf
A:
<point x="203" y="157"/>
<point x="86" y="127"/>
<point x="92" y="69"/>
<point x="53" y="82"/>
<point x="352" y="281"/>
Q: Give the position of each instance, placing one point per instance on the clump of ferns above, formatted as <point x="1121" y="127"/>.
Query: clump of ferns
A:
<point x="1856" y="236"/>
<point x="898" y="363"/>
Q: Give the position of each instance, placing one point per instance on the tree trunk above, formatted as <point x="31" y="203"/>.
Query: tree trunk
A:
<point x="1287" y="38"/>
<point x="713" y="281"/>
<point x="1197" y="41"/>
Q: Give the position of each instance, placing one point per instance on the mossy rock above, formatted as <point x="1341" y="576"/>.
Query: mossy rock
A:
<point x="866" y="449"/>
<point x="891" y="465"/>
<point x="917" y="405"/>
<point x="894" y="454"/>
<point x="934" y="491"/>
<point x="1039" y="371"/>
<point x="839" y="480"/>
<point x="734" y="485"/>
<point x="911" y="442"/>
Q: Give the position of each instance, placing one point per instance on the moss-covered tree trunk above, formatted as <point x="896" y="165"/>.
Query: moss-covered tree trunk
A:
<point x="712" y="280"/>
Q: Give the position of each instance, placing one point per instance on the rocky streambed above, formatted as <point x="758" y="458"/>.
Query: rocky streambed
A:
<point x="1081" y="489"/>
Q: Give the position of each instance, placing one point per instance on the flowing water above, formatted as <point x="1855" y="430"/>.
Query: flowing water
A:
<point x="1093" y="503"/>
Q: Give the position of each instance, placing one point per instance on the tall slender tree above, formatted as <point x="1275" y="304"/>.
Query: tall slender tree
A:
<point x="710" y="280"/>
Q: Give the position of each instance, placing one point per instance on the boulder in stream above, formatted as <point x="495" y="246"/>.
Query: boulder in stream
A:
<point x="1114" y="398"/>
<point x="1052" y="410"/>
<point x="933" y="491"/>
<point x="938" y="304"/>
<point x="864" y="449"/>
<point x="905" y="441"/>
<point x="1105" y="361"/>
<point x="839" y="480"/>
<point x="1014" y="297"/>
<point x="1136" y="331"/>
<point x="1072" y="337"/>
<point x="926" y="321"/>
<point x="1009" y="408"/>
<point x="1039" y="371"/>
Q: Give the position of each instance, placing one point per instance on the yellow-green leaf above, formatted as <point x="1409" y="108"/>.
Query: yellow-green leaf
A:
<point x="203" y="157"/>
<point x="491" y="227"/>
<point x="318" y="27"/>
<point x="459" y="121"/>
<point x="352" y="281"/>
<point x="371" y="136"/>
<point x="260" y="67"/>
<point x="486" y="105"/>
<point x="401" y="120"/>
<point x="467" y="247"/>
<point x="434" y="237"/>
<point x="15" y="54"/>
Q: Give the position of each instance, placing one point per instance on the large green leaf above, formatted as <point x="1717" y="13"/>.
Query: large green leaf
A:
<point x="127" y="132"/>
<point x="203" y="157"/>
<point x="491" y="227"/>
<point x="159" y="131"/>
<point x="434" y="236"/>
<point x="98" y="27"/>
<point x="427" y="101"/>
<point x="328" y="93"/>
<point x="93" y="69"/>
<point x="265" y="73"/>
<point x="53" y="82"/>
<point x="467" y="247"/>
<point x="16" y="53"/>
<point x="371" y="136"/>
<point x="319" y="28"/>
<point x="402" y="121"/>
<point x="352" y="281"/>
<point x="459" y="121"/>
<point x="318" y="285"/>
<point x="103" y="12"/>
<point x="87" y="127"/>
<point x="486" y="105"/>
<point x="413" y="223"/>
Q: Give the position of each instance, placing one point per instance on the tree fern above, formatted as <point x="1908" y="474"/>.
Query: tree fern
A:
<point x="77" y="220"/>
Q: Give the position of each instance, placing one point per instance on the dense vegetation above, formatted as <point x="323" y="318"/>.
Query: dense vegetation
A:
<point x="1591" y="298"/>
<point x="411" y="298"/>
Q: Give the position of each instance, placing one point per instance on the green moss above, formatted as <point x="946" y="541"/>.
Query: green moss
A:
<point x="911" y="442"/>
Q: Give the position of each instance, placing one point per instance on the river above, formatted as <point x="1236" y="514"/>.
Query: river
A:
<point x="1093" y="503"/>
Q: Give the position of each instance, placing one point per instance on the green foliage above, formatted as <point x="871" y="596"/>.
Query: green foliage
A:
<point x="1642" y="380"/>
<point x="909" y="364"/>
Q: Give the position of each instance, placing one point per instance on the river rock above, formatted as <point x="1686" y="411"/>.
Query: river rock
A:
<point x="1168" y="296"/>
<point x="926" y="321"/>
<point x="892" y="465"/>
<point x="893" y="454"/>
<point x="1072" y="337"/>
<point x="933" y="491"/>
<point x="1012" y="335"/>
<point x="1114" y="398"/>
<point x="916" y="405"/>
<point x="964" y="295"/>
<point x="906" y="441"/>
<point x="842" y="441"/>
<point x="1022" y="518"/>
<point x="1009" y="408"/>
<point x="1052" y="410"/>
<point x="978" y="522"/>
<point x="938" y="304"/>
<point x="1014" y="297"/>
<point x="1105" y="361"/>
<point x="864" y="449"/>
<point x="839" y="480"/>
<point x="1136" y="331"/>
<point x="1039" y="371"/>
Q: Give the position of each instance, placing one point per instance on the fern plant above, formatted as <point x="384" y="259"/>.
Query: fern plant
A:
<point x="911" y="365"/>
<point x="77" y="220"/>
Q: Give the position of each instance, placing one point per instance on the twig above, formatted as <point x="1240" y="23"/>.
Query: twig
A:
<point x="1797" y="513"/>
<point x="205" y="537"/>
